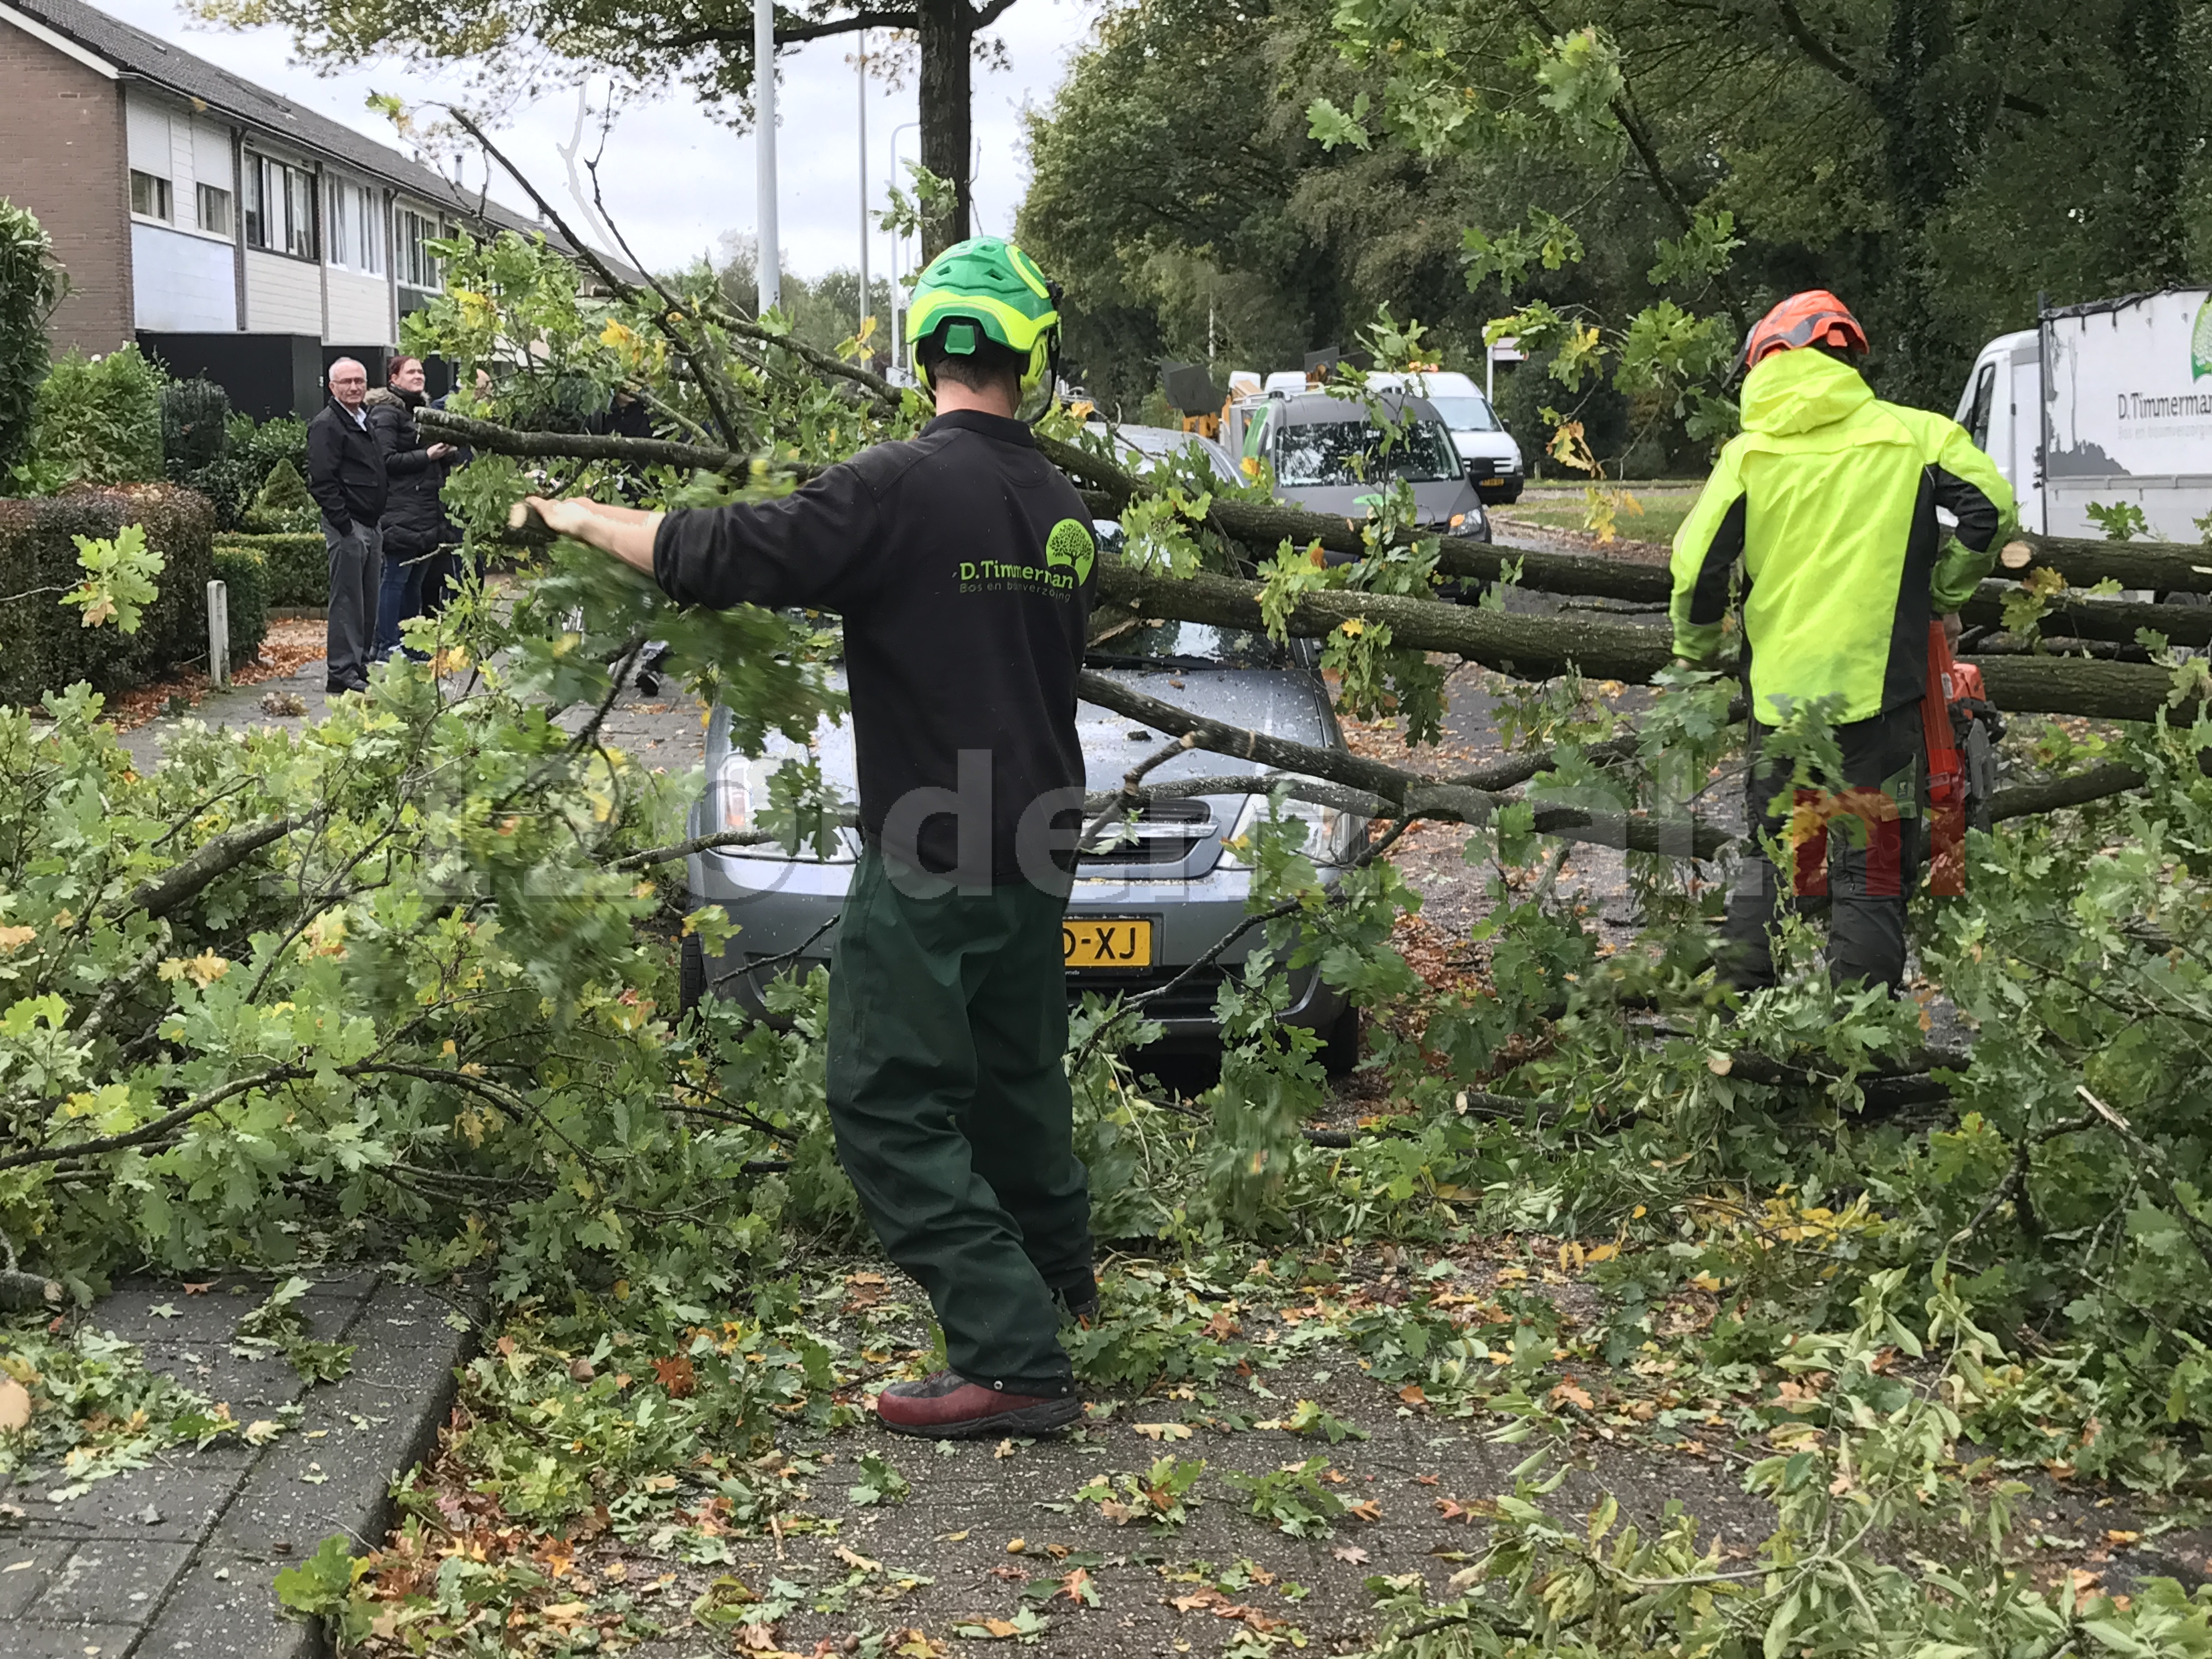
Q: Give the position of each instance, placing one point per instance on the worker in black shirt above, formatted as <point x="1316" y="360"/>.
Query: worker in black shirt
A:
<point x="960" y="562"/>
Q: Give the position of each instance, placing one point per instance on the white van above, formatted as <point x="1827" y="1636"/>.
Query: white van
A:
<point x="1492" y="459"/>
<point x="2101" y="403"/>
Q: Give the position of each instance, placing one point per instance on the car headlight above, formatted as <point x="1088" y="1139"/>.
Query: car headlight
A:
<point x="730" y="799"/>
<point x="1330" y="833"/>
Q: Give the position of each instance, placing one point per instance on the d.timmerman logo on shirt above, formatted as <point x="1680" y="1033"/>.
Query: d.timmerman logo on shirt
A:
<point x="1068" y="552"/>
<point x="980" y="575"/>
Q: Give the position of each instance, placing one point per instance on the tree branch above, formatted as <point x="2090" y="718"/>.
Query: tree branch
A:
<point x="159" y="896"/>
<point x="684" y="849"/>
<point x="497" y="439"/>
<point x="792" y="34"/>
<point x="1794" y="25"/>
<point x="154" y="1128"/>
<point x="1408" y="794"/>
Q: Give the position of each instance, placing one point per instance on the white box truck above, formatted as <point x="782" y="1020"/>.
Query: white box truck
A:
<point x="2107" y="402"/>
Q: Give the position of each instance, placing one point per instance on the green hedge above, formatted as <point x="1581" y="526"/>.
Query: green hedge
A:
<point x="43" y="644"/>
<point x="299" y="564"/>
<point x="245" y="571"/>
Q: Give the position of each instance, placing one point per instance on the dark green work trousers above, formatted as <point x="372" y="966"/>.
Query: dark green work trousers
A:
<point x="948" y="1028"/>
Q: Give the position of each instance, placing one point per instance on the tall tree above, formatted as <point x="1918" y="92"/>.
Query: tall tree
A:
<point x="515" y="46"/>
<point x="1937" y="163"/>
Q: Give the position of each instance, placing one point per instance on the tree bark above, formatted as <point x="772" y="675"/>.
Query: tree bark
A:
<point x="2082" y="618"/>
<point x="2176" y="566"/>
<point x="947" y="35"/>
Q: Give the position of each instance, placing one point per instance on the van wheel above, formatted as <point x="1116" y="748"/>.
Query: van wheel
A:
<point x="1339" y="1051"/>
<point x="690" y="975"/>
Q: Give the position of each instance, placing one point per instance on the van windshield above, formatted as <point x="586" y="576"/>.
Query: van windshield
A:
<point x="1470" y="414"/>
<point x="1350" y="452"/>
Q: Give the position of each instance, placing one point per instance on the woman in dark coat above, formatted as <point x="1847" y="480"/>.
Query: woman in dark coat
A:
<point x="414" y="522"/>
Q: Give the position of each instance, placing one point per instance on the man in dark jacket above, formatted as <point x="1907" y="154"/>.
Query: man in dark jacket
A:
<point x="345" y="474"/>
<point x="960" y="562"/>
<point x="413" y="529"/>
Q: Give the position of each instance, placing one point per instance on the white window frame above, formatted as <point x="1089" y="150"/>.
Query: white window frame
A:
<point x="201" y="191"/>
<point x="166" y="197"/>
<point x="409" y="256"/>
<point x="295" y="196"/>
<point x="370" y="200"/>
<point x="339" y="240"/>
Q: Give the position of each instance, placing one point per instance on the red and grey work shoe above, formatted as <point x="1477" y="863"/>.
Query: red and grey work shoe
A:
<point x="948" y="1406"/>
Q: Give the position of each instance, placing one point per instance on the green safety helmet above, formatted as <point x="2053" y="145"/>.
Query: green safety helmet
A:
<point x="985" y="289"/>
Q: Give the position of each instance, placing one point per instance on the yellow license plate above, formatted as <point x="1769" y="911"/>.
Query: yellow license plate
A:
<point x="1493" y="481"/>
<point x="1108" y="942"/>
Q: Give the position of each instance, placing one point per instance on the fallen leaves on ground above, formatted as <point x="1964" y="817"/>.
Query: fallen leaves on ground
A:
<point x="289" y="645"/>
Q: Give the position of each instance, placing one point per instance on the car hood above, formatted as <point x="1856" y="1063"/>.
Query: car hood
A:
<point x="1488" y="446"/>
<point x="1436" y="501"/>
<point x="1274" y="702"/>
<point x="1282" y="703"/>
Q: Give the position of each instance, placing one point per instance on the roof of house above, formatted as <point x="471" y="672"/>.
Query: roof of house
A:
<point x="140" y="54"/>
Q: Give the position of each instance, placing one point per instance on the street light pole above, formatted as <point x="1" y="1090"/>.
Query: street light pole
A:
<point x="890" y="176"/>
<point x="771" y="275"/>
<point x="863" y="179"/>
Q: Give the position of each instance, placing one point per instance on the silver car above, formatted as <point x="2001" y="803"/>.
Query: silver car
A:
<point x="1141" y="445"/>
<point x="1144" y="906"/>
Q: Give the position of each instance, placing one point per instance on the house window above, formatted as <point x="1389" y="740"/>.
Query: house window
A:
<point x="371" y="222"/>
<point x="280" y="207"/>
<point x="418" y="268"/>
<point x="355" y="237"/>
<point x="342" y="230"/>
<point x="148" y="194"/>
<point x="215" y="210"/>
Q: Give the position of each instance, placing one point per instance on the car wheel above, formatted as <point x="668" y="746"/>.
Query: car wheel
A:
<point x="690" y="975"/>
<point x="1339" y="1051"/>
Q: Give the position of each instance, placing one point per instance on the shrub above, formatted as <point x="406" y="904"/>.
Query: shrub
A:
<point x="283" y="504"/>
<point x="100" y="418"/>
<point x="43" y="643"/>
<point x="250" y="453"/>
<point x="245" y="571"/>
<point x="195" y="426"/>
<point x="296" y="565"/>
<point x="30" y="285"/>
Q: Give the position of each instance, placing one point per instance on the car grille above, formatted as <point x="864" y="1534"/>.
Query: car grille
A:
<point x="1192" y="1000"/>
<point x="1166" y="833"/>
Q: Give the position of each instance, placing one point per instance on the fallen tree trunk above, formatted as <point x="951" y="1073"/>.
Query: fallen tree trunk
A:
<point x="2070" y="686"/>
<point x="1528" y="647"/>
<point x="2175" y="566"/>
<point x="1538" y="648"/>
<point x="1525" y="647"/>
<point x="2078" y="615"/>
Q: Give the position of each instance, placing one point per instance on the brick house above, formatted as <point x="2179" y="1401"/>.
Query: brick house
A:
<point x="231" y="233"/>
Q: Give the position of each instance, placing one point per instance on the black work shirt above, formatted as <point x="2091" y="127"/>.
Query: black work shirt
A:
<point x="960" y="561"/>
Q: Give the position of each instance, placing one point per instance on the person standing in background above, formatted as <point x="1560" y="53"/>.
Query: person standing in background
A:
<point x="413" y="525"/>
<point x="346" y="476"/>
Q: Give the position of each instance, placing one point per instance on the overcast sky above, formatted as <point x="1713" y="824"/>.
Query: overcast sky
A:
<point x="675" y="179"/>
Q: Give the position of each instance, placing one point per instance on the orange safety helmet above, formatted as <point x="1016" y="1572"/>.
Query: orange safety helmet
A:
<point x="1815" y="317"/>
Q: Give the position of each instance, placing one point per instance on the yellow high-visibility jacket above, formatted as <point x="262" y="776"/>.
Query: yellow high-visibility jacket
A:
<point x="1827" y="498"/>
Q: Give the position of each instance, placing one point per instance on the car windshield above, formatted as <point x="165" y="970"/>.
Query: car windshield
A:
<point x="1185" y="645"/>
<point x="1350" y="452"/>
<point x="1466" y="414"/>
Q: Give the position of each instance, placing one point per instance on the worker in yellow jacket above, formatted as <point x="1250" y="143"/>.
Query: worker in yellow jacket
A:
<point x="1822" y="511"/>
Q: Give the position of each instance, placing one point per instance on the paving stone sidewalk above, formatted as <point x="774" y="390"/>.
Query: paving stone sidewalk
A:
<point x="180" y="1559"/>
